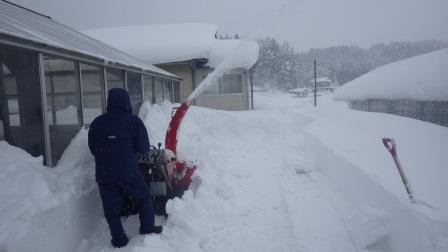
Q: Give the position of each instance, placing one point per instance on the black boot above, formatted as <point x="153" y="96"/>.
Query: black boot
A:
<point x="119" y="242"/>
<point x="154" y="230"/>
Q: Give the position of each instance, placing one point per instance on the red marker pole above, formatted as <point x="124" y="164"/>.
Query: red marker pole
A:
<point x="390" y="145"/>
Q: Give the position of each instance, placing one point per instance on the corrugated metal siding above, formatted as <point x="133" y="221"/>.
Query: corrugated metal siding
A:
<point x="429" y="111"/>
<point x="183" y="71"/>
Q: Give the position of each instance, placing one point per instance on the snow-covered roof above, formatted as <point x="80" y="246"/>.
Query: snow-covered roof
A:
<point x="299" y="89"/>
<point x="423" y="77"/>
<point x="158" y="44"/>
<point x="21" y="23"/>
<point x="321" y="79"/>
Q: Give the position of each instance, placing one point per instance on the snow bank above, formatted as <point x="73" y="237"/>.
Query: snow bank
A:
<point x="157" y="44"/>
<point x="23" y="192"/>
<point x="47" y="209"/>
<point x="423" y="78"/>
<point x="357" y="136"/>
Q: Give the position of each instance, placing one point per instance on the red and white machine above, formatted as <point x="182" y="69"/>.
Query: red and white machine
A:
<point x="167" y="176"/>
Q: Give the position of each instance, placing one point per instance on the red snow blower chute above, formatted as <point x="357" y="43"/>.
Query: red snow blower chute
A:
<point x="167" y="176"/>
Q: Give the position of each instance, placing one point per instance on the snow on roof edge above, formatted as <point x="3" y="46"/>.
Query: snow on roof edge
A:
<point x="165" y="43"/>
<point x="25" y="24"/>
<point x="423" y="78"/>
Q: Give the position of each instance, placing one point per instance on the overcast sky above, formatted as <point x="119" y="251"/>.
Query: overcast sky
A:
<point x="304" y="23"/>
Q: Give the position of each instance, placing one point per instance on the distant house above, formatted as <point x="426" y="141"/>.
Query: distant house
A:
<point x="190" y="51"/>
<point x="300" y="91"/>
<point x="323" y="84"/>
<point x="416" y="87"/>
<point x="54" y="81"/>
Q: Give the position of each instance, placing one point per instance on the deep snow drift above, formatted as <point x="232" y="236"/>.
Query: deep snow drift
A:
<point x="285" y="177"/>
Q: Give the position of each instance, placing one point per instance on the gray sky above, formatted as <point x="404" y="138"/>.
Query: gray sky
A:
<point x="304" y="23"/>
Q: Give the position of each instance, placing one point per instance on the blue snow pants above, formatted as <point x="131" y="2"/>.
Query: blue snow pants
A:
<point x="112" y="195"/>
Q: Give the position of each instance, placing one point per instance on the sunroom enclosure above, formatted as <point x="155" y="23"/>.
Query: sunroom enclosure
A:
<point x="66" y="93"/>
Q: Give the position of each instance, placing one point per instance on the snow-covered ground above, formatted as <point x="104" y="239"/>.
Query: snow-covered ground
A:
<point x="285" y="177"/>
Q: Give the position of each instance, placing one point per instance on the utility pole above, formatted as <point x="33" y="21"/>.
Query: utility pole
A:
<point x="315" y="84"/>
<point x="251" y="80"/>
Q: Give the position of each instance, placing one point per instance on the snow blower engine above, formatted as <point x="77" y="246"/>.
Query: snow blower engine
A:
<point x="165" y="175"/>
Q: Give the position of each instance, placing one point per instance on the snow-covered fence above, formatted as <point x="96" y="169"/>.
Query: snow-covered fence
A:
<point x="430" y="111"/>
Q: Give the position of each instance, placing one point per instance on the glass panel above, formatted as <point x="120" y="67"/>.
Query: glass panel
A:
<point x="2" y="131"/>
<point x="158" y="90"/>
<point x="147" y="83"/>
<point x="93" y="107"/>
<point x="69" y="85"/>
<point x="213" y="89"/>
<point x="21" y="122"/>
<point x="135" y="91"/>
<point x="14" y="120"/>
<point x="66" y="108"/>
<point x="63" y="103"/>
<point x="10" y="86"/>
<point x="167" y="91"/>
<point x="92" y="88"/>
<point x="232" y="84"/>
<point x="13" y="105"/>
<point x="115" y="78"/>
<point x="49" y="110"/>
<point x="176" y="90"/>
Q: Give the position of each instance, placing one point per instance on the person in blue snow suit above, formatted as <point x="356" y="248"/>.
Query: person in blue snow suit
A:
<point x="115" y="139"/>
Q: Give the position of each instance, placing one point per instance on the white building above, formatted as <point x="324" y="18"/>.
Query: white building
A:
<point x="190" y="51"/>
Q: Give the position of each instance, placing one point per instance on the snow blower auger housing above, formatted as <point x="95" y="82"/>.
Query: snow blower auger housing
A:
<point x="166" y="176"/>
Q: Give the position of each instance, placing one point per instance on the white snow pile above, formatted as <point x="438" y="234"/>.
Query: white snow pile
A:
<point x="286" y="177"/>
<point x="157" y="44"/>
<point x="45" y="209"/>
<point x="423" y="78"/>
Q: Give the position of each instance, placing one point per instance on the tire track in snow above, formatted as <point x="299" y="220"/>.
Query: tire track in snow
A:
<point x="316" y="222"/>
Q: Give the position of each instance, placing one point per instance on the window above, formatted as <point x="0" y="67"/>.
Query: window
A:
<point x="135" y="91"/>
<point x="92" y="92"/>
<point x="213" y="89"/>
<point x="167" y="91"/>
<point x="2" y="131"/>
<point x="158" y="90"/>
<point x="62" y="91"/>
<point x="148" y="87"/>
<point x="176" y="91"/>
<point x="228" y="84"/>
<point x="21" y="117"/>
<point x="63" y="103"/>
<point x="14" y="114"/>
<point x="115" y="78"/>
<point x="232" y="84"/>
<point x="12" y="97"/>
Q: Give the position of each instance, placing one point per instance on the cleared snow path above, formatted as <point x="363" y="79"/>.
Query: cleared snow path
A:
<point x="259" y="188"/>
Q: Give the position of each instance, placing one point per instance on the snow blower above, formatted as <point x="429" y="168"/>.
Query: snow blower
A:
<point x="167" y="176"/>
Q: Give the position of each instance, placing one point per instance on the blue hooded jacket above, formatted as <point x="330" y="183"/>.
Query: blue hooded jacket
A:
<point x="115" y="138"/>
